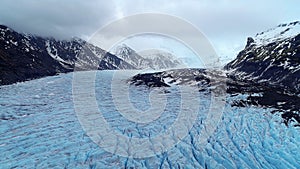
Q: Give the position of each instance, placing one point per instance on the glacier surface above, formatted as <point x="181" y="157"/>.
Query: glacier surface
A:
<point x="39" y="129"/>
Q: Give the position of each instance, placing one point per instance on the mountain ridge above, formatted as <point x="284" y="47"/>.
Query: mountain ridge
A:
<point x="24" y="56"/>
<point x="142" y="60"/>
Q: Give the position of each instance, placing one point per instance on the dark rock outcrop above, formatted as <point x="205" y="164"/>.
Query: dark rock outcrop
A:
<point x="193" y="77"/>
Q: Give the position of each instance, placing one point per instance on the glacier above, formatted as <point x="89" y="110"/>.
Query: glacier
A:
<point x="39" y="129"/>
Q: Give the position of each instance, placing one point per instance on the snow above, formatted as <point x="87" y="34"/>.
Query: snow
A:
<point x="286" y="64"/>
<point x="280" y="51"/>
<point x="151" y="58"/>
<point x="15" y="43"/>
<point x="53" y="49"/>
<point x="281" y="32"/>
<point x="281" y="103"/>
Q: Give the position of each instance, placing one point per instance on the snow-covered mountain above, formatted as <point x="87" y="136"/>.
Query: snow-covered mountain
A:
<point x="149" y="59"/>
<point x="271" y="57"/>
<point x="158" y="59"/>
<point x="24" y="57"/>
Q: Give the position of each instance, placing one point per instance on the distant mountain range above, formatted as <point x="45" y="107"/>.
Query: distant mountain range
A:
<point x="270" y="57"/>
<point x="24" y="57"/>
<point x="148" y="59"/>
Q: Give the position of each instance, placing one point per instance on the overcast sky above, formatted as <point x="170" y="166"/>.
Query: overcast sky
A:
<point x="226" y="23"/>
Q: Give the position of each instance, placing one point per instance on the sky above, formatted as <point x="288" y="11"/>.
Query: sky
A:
<point x="225" y="23"/>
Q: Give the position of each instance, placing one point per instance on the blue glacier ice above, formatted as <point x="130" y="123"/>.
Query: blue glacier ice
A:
<point x="39" y="129"/>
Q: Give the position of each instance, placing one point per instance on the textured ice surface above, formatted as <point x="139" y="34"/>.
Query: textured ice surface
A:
<point x="39" y="129"/>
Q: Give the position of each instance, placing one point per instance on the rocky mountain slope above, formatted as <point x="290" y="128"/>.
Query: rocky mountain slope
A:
<point x="149" y="59"/>
<point x="24" y="57"/>
<point x="271" y="57"/>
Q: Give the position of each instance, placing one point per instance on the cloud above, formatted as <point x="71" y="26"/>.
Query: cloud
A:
<point x="61" y="19"/>
<point x="226" y="23"/>
<point x="213" y="16"/>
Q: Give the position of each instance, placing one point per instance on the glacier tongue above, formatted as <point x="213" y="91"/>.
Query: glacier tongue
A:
<point x="47" y="134"/>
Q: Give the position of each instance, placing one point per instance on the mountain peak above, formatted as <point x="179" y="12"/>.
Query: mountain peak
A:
<point x="4" y="28"/>
<point x="123" y="49"/>
<point x="250" y="41"/>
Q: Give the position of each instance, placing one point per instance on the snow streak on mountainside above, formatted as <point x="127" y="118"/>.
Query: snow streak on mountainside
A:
<point x="149" y="59"/>
<point x="24" y="57"/>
